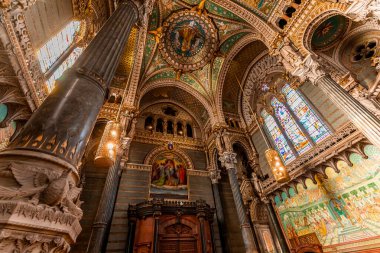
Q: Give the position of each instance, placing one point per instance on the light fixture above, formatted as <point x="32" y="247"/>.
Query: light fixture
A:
<point x="180" y="132"/>
<point x="106" y="152"/>
<point x="277" y="166"/>
<point x="149" y="127"/>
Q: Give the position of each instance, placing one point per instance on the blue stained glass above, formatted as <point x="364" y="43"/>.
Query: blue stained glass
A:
<point x="278" y="138"/>
<point x="307" y="117"/>
<point x="298" y="138"/>
<point x="49" y="53"/>
<point x="67" y="63"/>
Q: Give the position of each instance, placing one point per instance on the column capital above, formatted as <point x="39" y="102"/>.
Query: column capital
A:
<point x="309" y="69"/>
<point x="143" y="9"/>
<point x="214" y="176"/>
<point x="228" y="160"/>
<point x="359" y="10"/>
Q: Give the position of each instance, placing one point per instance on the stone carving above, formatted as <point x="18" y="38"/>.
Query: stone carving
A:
<point x="144" y="9"/>
<point x="11" y="241"/>
<point x="362" y="9"/>
<point x="309" y="69"/>
<point x="228" y="160"/>
<point x="215" y="176"/>
<point x="43" y="186"/>
<point x="364" y="99"/>
<point x="246" y="190"/>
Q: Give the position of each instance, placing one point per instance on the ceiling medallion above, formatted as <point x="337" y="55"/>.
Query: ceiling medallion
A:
<point x="189" y="40"/>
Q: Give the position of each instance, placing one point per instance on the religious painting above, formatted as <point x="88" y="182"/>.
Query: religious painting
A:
<point x="341" y="209"/>
<point x="169" y="177"/>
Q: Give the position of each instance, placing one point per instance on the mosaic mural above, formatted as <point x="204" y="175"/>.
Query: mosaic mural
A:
<point x="261" y="7"/>
<point x="169" y="177"/>
<point x="190" y="43"/>
<point x="329" y="32"/>
<point x="341" y="209"/>
<point x="189" y="40"/>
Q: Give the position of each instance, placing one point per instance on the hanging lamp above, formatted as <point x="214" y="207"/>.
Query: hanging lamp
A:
<point x="273" y="158"/>
<point x="110" y="142"/>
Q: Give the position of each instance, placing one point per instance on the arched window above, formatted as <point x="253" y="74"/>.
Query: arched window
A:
<point x="294" y="127"/>
<point x="306" y="116"/>
<point x="59" y="53"/>
<point x="160" y="125"/>
<point x="293" y="131"/>
<point x="278" y="138"/>
<point x="189" y="131"/>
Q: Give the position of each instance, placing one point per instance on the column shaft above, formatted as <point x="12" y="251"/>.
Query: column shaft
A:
<point x="220" y="217"/>
<point x="274" y="223"/>
<point x="155" y="239"/>
<point x="363" y="119"/>
<point x="249" y="242"/>
<point x="105" y="208"/>
<point x="61" y="126"/>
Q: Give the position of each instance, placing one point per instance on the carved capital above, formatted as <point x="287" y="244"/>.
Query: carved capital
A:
<point x="361" y="10"/>
<point x="228" y="160"/>
<point x="143" y="9"/>
<point x="214" y="176"/>
<point x="309" y="69"/>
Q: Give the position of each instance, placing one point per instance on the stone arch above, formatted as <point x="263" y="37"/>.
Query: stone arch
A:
<point x="226" y="64"/>
<point x="149" y="159"/>
<point x="172" y="83"/>
<point x="315" y="15"/>
<point x="361" y="34"/>
<point x="265" y="64"/>
<point x="182" y="106"/>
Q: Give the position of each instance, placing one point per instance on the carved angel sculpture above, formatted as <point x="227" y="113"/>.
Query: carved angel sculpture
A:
<point x="49" y="187"/>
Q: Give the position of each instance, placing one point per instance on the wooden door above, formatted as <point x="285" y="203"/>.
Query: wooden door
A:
<point x="178" y="238"/>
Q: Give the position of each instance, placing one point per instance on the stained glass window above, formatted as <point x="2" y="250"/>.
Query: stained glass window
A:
<point x="278" y="138"/>
<point x="49" y="53"/>
<point x="298" y="138"/>
<point x="306" y="116"/>
<point x="67" y="63"/>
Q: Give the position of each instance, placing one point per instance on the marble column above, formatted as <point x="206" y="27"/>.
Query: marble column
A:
<point x="45" y="156"/>
<point x="215" y="177"/>
<point x="107" y="202"/>
<point x="360" y="116"/>
<point x="275" y="225"/>
<point x="228" y="160"/>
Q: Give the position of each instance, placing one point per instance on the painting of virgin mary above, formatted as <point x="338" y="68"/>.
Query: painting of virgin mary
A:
<point x="169" y="177"/>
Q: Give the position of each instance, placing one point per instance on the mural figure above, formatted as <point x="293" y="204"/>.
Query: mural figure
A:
<point x="169" y="177"/>
<point x="340" y="209"/>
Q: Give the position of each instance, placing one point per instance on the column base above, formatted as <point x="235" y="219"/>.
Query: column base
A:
<point x="36" y="228"/>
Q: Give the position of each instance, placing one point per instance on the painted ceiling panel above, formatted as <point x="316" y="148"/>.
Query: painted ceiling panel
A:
<point x="263" y="8"/>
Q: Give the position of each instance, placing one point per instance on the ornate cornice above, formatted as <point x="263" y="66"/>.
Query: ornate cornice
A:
<point x="341" y="140"/>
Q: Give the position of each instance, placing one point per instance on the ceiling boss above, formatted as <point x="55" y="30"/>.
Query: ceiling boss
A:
<point x="188" y="39"/>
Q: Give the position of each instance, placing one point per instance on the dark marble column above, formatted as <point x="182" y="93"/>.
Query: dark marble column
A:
<point x="201" y="214"/>
<point x="228" y="160"/>
<point x="45" y="156"/>
<point x="275" y="225"/>
<point x="219" y="215"/>
<point x="59" y="129"/>
<point x="105" y="208"/>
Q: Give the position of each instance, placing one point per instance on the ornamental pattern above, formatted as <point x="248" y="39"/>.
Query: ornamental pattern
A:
<point x="189" y="40"/>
